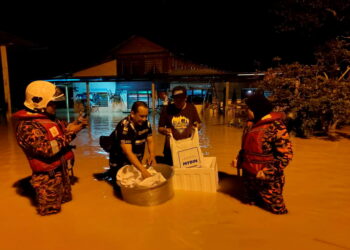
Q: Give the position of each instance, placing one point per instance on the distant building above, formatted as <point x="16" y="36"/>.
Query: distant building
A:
<point x="139" y="69"/>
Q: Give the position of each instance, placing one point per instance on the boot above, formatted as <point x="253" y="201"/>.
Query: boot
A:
<point x="109" y="175"/>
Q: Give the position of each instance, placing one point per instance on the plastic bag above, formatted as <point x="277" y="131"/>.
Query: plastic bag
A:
<point x="186" y="153"/>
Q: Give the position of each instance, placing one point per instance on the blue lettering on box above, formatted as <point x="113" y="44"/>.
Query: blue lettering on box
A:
<point x="190" y="162"/>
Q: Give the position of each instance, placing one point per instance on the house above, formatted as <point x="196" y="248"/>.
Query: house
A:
<point x="141" y="70"/>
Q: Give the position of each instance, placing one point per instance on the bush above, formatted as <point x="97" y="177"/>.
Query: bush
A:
<point x="312" y="101"/>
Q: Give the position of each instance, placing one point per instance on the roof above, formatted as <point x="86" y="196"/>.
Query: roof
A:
<point x="10" y="39"/>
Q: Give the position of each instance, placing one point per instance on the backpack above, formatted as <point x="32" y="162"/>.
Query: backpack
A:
<point x="106" y="142"/>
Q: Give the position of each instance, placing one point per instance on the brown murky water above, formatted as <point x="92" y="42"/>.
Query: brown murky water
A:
<point x="317" y="194"/>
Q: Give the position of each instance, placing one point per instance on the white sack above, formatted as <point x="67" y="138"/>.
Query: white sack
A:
<point x="186" y="153"/>
<point x="130" y="177"/>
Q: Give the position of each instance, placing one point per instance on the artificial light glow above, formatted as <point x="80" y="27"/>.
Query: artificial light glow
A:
<point x="251" y="74"/>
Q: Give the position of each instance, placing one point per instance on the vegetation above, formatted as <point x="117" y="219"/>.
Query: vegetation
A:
<point x="316" y="98"/>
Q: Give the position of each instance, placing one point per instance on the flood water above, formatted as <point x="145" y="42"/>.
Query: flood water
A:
<point x="317" y="195"/>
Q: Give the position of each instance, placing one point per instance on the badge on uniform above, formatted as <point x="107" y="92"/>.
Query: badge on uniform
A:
<point x="54" y="132"/>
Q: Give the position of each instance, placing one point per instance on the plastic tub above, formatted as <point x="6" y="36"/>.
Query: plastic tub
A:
<point x="152" y="196"/>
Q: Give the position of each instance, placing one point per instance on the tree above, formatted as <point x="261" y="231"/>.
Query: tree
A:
<point x="312" y="100"/>
<point x="334" y="56"/>
<point x="312" y="16"/>
<point x="311" y="25"/>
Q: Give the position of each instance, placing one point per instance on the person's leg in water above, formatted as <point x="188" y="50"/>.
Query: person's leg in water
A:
<point x="66" y="182"/>
<point x="251" y="195"/>
<point x="49" y="192"/>
<point x="168" y="159"/>
<point x="110" y="174"/>
<point x="271" y="194"/>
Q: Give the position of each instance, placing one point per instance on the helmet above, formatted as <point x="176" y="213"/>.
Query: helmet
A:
<point x="40" y="93"/>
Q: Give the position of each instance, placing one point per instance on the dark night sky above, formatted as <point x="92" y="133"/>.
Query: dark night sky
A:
<point x="238" y="38"/>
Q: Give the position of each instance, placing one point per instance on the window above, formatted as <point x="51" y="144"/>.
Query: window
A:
<point x="140" y="95"/>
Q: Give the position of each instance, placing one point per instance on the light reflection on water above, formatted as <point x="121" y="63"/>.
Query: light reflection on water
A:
<point x="320" y="169"/>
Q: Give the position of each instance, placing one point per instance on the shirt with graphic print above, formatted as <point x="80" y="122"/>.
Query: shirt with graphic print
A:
<point x="128" y="132"/>
<point x="180" y="121"/>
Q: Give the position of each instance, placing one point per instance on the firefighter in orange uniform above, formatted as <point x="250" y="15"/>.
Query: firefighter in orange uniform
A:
<point x="266" y="152"/>
<point x="45" y="141"/>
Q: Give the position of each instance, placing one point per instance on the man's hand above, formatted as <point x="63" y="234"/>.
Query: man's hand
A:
<point x="127" y="149"/>
<point x="151" y="161"/>
<point x="82" y="120"/>
<point x="145" y="174"/>
<point x="196" y="125"/>
<point x="75" y="127"/>
<point x="234" y="163"/>
<point x="165" y="131"/>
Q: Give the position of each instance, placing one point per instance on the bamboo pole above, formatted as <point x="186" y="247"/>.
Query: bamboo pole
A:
<point x="6" y="81"/>
<point x="227" y="88"/>
<point x="153" y="105"/>
<point x="153" y="97"/>
<point x="88" y="110"/>
<point x="67" y="102"/>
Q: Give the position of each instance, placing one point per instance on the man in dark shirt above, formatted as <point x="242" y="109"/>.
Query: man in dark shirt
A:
<point x="130" y="137"/>
<point x="178" y="119"/>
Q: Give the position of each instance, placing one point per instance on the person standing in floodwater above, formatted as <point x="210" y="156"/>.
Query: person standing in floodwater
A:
<point x="178" y="119"/>
<point x="45" y="141"/>
<point x="266" y="152"/>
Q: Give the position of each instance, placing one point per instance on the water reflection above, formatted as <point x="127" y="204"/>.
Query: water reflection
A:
<point x="195" y="220"/>
<point x="216" y="137"/>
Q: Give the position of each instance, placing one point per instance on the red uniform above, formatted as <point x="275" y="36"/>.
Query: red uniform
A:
<point x="266" y="147"/>
<point x="46" y="145"/>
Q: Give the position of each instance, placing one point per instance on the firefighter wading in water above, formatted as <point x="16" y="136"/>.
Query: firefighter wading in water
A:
<point x="266" y="152"/>
<point x="45" y="141"/>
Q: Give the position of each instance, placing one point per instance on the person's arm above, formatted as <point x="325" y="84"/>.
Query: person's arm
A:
<point x="76" y="126"/>
<point x="125" y="135"/>
<point x="162" y="124"/>
<point x="164" y="130"/>
<point x="283" y="152"/>
<point x="150" y="145"/>
<point x="197" y="123"/>
<point x="283" y="146"/>
<point x="127" y="149"/>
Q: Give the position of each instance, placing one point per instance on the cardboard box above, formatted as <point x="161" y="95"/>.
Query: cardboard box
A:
<point x="204" y="178"/>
